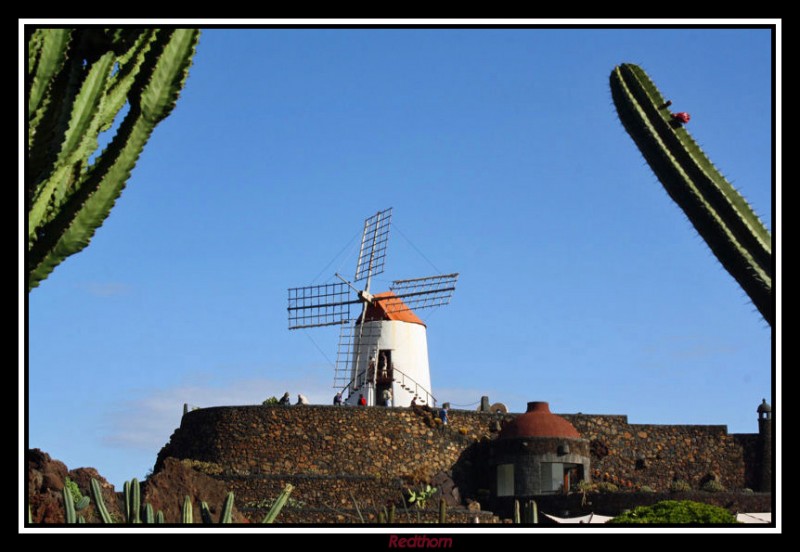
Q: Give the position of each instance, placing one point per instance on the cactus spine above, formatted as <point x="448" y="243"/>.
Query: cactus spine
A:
<point x="724" y="219"/>
<point x="78" y="81"/>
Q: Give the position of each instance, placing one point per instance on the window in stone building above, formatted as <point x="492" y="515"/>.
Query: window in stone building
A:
<point x="558" y="476"/>
<point x="505" y="480"/>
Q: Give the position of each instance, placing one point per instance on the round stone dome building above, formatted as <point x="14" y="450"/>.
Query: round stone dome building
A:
<point x="538" y="453"/>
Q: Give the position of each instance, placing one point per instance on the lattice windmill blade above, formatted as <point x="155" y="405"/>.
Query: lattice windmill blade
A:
<point x="420" y="293"/>
<point x="372" y="255"/>
<point x="349" y="352"/>
<point x="320" y="305"/>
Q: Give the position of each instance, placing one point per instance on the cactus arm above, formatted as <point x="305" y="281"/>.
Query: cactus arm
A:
<point x="99" y="503"/>
<point x="226" y="516"/>
<point x="46" y="56"/>
<point x="82" y="503"/>
<point x="724" y="219"/>
<point x="83" y="199"/>
<point x="160" y="96"/>
<point x="132" y="493"/>
<point x="186" y="511"/>
<point x="69" y="505"/>
<point x="149" y="518"/>
<point x="205" y="512"/>
<point x="126" y="493"/>
<point x="160" y="517"/>
<point x="280" y="502"/>
<point x="136" y="501"/>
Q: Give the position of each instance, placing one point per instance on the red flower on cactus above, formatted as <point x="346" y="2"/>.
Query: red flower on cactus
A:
<point x="681" y="117"/>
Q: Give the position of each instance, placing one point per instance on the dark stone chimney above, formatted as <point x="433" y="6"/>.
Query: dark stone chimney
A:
<point x="765" y="445"/>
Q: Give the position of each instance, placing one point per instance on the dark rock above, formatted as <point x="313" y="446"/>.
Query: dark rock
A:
<point x="166" y="491"/>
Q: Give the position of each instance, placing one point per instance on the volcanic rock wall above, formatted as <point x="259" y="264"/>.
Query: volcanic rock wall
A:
<point x="333" y="455"/>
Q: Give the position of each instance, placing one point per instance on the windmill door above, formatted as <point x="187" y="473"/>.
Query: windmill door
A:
<point x="384" y="378"/>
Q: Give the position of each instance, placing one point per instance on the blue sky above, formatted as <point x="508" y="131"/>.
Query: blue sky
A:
<point x="582" y="283"/>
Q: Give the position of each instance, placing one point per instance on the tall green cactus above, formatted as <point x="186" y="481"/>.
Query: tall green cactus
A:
<point x="132" y="493"/>
<point x="78" y="81"/>
<point x="226" y="516"/>
<point x="532" y="513"/>
<point x="187" y="515"/>
<point x="100" y="504"/>
<point x="718" y="212"/>
<point x="69" y="506"/>
<point x="149" y="516"/>
<point x="134" y="513"/>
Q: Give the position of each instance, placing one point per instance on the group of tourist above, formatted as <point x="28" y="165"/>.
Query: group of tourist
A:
<point x="286" y="401"/>
<point x="362" y="401"/>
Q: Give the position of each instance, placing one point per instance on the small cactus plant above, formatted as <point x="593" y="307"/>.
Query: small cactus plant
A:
<point x="680" y="486"/>
<point x="712" y="486"/>
<point x="607" y="487"/>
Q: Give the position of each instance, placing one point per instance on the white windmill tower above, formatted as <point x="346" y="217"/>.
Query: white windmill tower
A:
<point x="384" y="346"/>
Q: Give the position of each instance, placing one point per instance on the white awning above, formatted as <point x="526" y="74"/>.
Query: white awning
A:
<point x="589" y="518"/>
<point x="762" y="517"/>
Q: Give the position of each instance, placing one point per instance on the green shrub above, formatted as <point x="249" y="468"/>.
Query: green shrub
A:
<point x="77" y="496"/>
<point x="712" y="486"/>
<point x="208" y="468"/>
<point x="271" y="400"/>
<point x="647" y="489"/>
<point x="747" y="490"/>
<point x="606" y="487"/>
<point x="679" y="486"/>
<point x="676" y="512"/>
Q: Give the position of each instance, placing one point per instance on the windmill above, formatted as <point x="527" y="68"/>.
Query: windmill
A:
<point x="382" y="345"/>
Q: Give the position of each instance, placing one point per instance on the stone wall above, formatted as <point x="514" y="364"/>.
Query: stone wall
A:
<point x="333" y="454"/>
<point x="327" y="452"/>
<point x="655" y="455"/>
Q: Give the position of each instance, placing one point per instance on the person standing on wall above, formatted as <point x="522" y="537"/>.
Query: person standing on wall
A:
<point x="443" y="416"/>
